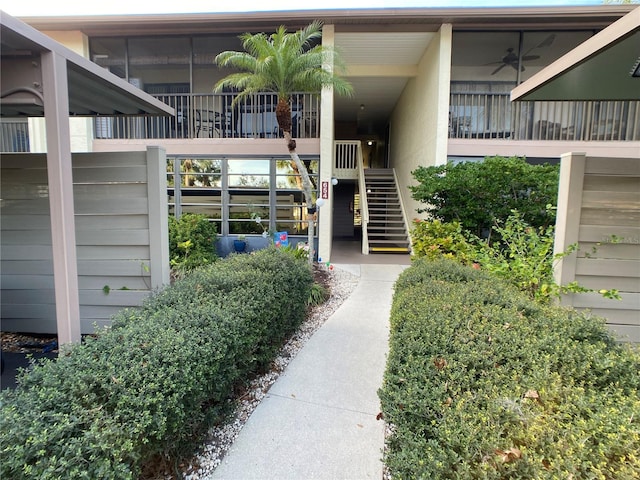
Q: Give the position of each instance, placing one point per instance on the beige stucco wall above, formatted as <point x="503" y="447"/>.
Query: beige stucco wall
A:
<point x="81" y="131"/>
<point x="419" y="123"/>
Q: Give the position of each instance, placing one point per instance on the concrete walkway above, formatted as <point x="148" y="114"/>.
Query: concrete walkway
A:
<point x="318" y="420"/>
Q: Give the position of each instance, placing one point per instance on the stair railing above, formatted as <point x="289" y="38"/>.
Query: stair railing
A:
<point x="364" y="204"/>
<point x="403" y="209"/>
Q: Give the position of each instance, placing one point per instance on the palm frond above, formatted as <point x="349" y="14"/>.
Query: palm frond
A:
<point x="284" y="63"/>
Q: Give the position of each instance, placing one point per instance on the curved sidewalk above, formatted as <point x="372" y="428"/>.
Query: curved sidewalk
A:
<point x="318" y="420"/>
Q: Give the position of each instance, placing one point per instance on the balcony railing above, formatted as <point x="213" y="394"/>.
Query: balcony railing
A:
<point x="491" y="115"/>
<point x="215" y="116"/>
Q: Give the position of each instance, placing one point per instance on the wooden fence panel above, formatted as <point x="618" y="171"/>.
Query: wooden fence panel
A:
<point x="599" y="208"/>
<point x="114" y="232"/>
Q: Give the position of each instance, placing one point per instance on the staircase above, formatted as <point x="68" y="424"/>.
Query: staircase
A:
<point x="386" y="230"/>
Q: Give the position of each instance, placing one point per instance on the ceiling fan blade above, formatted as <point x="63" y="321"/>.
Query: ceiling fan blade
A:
<point x="545" y="43"/>
<point x="498" y="69"/>
<point x="526" y="58"/>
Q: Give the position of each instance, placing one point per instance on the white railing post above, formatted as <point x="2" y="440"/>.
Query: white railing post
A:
<point x="364" y="204"/>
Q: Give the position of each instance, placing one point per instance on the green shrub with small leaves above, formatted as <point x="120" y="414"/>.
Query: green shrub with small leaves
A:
<point x="435" y="239"/>
<point x="152" y="383"/>
<point x="192" y="241"/>
<point x="524" y="256"/>
<point x="482" y="382"/>
<point x="478" y="194"/>
<point x="520" y="254"/>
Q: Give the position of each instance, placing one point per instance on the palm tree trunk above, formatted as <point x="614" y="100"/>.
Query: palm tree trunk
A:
<point x="306" y="189"/>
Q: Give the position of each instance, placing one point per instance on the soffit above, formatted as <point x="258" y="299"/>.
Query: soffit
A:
<point x="385" y="52"/>
<point x="386" y="48"/>
<point x="426" y="19"/>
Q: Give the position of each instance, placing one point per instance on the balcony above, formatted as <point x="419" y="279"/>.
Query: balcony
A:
<point x="216" y="116"/>
<point x="492" y="115"/>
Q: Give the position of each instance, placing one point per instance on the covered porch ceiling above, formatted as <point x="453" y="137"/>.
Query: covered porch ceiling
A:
<point x="379" y="66"/>
<point x="605" y="67"/>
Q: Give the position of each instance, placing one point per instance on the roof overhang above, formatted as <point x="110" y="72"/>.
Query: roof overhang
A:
<point x="605" y="67"/>
<point x="346" y="19"/>
<point x="92" y="89"/>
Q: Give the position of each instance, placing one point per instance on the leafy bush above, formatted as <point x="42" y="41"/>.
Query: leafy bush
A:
<point x="477" y="194"/>
<point x="192" y="241"/>
<point x="481" y="382"/>
<point x="157" y="378"/>
<point x="523" y="257"/>
<point x="435" y="239"/>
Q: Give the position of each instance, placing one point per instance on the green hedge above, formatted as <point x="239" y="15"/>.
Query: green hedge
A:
<point x="482" y="383"/>
<point x="158" y="377"/>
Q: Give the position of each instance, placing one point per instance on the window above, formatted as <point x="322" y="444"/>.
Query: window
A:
<point x="290" y="204"/>
<point x="200" y="187"/>
<point x="249" y="185"/>
<point x="242" y="195"/>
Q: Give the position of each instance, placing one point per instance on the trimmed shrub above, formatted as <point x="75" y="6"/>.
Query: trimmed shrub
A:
<point x="158" y="377"/>
<point x="482" y="382"/>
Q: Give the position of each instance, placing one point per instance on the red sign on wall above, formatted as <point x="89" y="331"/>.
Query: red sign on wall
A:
<point x="325" y="190"/>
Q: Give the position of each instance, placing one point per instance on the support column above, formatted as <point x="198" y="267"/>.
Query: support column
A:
<point x="59" y="171"/>
<point x="572" y="168"/>
<point x="325" y="216"/>
<point x="158" y="216"/>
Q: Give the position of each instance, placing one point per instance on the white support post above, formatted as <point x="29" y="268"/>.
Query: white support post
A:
<point x="158" y="216"/>
<point x="59" y="171"/>
<point x="572" y="168"/>
<point x="327" y="150"/>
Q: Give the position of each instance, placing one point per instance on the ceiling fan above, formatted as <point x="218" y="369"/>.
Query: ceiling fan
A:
<point x="511" y="58"/>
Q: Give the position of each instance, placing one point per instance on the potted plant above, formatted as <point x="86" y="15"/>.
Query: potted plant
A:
<point x="240" y="243"/>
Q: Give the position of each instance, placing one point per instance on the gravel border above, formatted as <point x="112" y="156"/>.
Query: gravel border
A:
<point x="221" y="438"/>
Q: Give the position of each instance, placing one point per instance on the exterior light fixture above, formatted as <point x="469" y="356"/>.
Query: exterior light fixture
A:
<point x="334" y="181"/>
<point x="319" y="202"/>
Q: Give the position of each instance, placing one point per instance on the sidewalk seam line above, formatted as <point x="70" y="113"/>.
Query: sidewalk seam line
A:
<point x="320" y="404"/>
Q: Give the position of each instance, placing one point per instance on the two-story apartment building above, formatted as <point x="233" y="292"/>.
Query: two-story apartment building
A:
<point x="431" y="85"/>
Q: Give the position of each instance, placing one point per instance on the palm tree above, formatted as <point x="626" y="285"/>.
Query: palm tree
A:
<point x="284" y="63"/>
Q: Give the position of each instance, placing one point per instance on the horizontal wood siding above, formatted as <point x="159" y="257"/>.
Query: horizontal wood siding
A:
<point x="112" y="233"/>
<point x="603" y="194"/>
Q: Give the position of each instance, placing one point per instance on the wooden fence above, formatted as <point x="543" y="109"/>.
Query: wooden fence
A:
<point x="120" y="204"/>
<point x="599" y="209"/>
